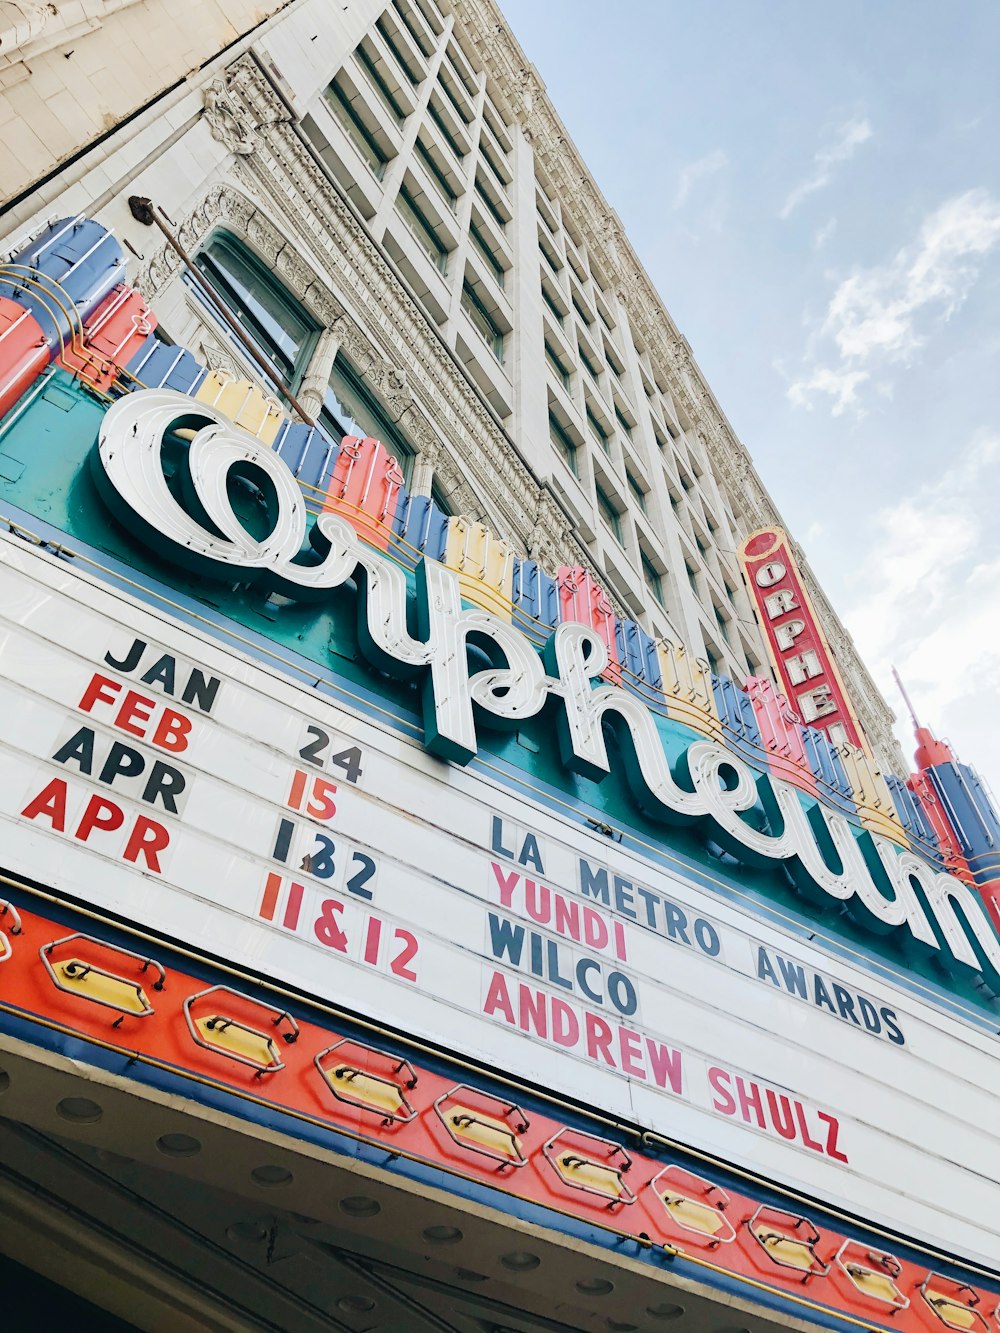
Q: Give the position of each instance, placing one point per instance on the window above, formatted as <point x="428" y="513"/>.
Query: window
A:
<point x="356" y="130"/>
<point x="446" y="133"/>
<point x="609" y="514"/>
<point x="587" y="319"/>
<point x="422" y="229"/>
<point x="484" y="248"/>
<point x="267" y="312"/>
<point x="692" y="577"/>
<point x="350" y="408"/>
<point x="605" y="317"/>
<point x="714" y="663"/>
<point x="722" y="623"/>
<point x="490" y="158"/>
<point x="486" y="326"/>
<point x="543" y="213"/>
<point x="598" y="431"/>
<point x="454" y="97"/>
<point x="652" y="577"/>
<point x="636" y="489"/>
<point x="565" y="447"/>
<point x="576" y="266"/>
<point x="380" y="83"/>
<point x="593" y="369"/>
<point x="414" y="28"/>
<point x="555" y="361"/>
<point x="440" y="498"/>
<point x="389" y="36"/>
<point x="623" y="422"/>
<point x="436" y="173"/>
<point x="549" y="300"/>
<point x="490" y="204"/>
<point x="551" y="258"/>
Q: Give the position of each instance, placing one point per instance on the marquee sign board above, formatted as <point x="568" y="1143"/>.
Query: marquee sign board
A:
<point x="270" y="705"/>
<point x="154" y="774"/>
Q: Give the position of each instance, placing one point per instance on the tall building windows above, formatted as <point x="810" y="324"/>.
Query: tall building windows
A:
<point x="638" y="494"/>
<point x="423" y="229"/>
<point x="267" y="312"/>
<point x="652" y="576"/>
<point x="556" y="362"/>
<point x="360" y="134"/>
<point x="350" y="408"/>
<point x="486" y="326"/>
<point x="565" y="446"/>
<point x="598" y="432"/>
<point x="609" y="514"/>
<point x="481" y="243"/>
<point x="376" y="75"/>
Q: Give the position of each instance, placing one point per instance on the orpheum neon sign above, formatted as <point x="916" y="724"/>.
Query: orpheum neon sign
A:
<point x="708" y="787"/>
<point x="799" y="649"/>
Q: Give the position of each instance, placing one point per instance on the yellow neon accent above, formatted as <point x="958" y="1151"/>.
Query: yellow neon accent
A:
<point x="484" y="564"/>
<point x="244" y="403"/>
<point x="950" y="1312"/>
<point x="687" y="688"/>
<point x="589" y="1175"/>
<point x="786" y="1250"/>
<point x="693" y="1215"/>
<point x="81" y="978"/>
<point x="484" y="1131"/>
<point x="870" y="1282"/>
<point x="233" y="1038"/>
<point x="377" y="1093"/>
<point x="876" y="808"/>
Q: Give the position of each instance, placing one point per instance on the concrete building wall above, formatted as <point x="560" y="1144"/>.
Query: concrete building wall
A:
<point x="72" y="71"/>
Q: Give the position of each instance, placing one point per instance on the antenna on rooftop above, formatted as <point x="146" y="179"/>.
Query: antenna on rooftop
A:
<point x="906" y="698"/>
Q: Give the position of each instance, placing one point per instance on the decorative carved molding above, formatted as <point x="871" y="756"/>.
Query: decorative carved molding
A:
<point x="223" y="119"/>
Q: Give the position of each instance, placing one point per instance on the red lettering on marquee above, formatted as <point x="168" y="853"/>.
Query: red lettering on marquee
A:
<point x="775" y="1112"/>
<point x="147" y="839"/>
<point x="135" y="714"/>
<point x="50" y="802"/>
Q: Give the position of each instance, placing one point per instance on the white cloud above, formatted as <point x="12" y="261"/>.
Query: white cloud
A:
<point x="689" y="175"/>
<point x="882" y="315"/>
<point x="841" y="386"/>
<point x="850" y="137"/>
<point x="824" y="233"/>
<point x="927" y="599"/>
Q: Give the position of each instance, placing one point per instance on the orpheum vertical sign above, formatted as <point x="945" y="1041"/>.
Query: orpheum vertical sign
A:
<point x="799" y="649"/>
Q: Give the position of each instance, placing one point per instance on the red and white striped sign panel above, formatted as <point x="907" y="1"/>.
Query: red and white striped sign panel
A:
<point x="801" y="655"/>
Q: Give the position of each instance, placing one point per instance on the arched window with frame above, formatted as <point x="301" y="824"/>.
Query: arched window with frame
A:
<point x="279" y="326"/>
<point x="351" y="408"/>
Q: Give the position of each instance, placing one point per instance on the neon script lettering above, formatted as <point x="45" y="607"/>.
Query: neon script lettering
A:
<point x="757" y="818"/>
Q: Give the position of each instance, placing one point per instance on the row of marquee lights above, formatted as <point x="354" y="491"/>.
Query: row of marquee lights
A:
<point x="64" y="303"/>
<point x="128" y="1001"/>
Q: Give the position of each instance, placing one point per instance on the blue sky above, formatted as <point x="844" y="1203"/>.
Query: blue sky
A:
<point x="815" y="191"/>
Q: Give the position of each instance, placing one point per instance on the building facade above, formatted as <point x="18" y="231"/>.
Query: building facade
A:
<point x="537" y="935"/>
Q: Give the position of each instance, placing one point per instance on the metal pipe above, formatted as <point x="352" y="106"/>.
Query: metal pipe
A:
<point x="149" y="214"/>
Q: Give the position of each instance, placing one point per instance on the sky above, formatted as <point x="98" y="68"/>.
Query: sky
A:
<point x="815" y="191"/>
